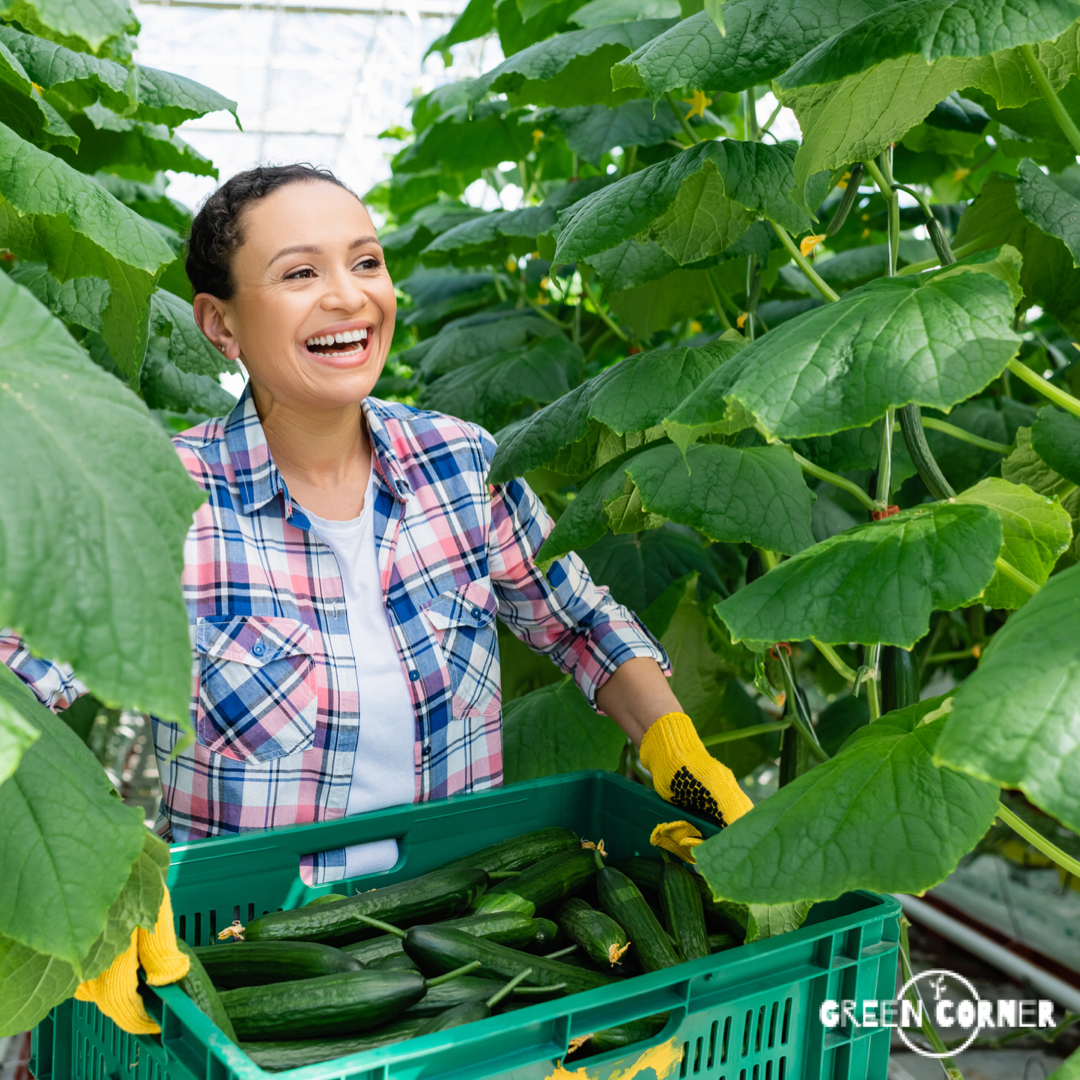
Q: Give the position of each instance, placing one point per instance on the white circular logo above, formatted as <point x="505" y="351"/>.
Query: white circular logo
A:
<point x="967" y="1010"/>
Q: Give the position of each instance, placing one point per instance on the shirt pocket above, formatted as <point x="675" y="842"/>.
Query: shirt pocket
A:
<point x="463" y="621"/>
<point x="258" y="695"/>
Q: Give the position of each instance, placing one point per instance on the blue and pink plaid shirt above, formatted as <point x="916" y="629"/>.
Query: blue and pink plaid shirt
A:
<point x="274" y="687"/>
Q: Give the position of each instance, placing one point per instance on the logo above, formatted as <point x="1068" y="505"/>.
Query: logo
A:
<point x="950" y="1003"/>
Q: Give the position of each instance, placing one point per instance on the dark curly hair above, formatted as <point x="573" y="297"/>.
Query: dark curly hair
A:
<point x="217" y="231"/>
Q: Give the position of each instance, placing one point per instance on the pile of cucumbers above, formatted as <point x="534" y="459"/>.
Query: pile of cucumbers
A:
<point x="528" y="919"/>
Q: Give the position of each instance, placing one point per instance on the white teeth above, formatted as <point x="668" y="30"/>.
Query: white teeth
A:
<point x="339" y="339"/>
<point x="346" y="337"/>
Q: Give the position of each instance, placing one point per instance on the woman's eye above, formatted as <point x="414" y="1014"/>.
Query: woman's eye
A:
<point x="368" y="263"/>
<point x="298" y="275"/>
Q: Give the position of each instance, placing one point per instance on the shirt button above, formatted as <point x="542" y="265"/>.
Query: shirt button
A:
<point x="414" y="675"/>
<point x="258" y="649"/>
<point x="427" y="751"/>
<point x="476" y="613"/>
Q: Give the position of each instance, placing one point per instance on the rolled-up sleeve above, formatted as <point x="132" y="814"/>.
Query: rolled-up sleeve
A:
<point x="564" y="614"/>
<point x="53" y="684"/>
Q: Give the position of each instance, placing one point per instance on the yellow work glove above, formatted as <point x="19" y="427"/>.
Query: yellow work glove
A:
<point x="678" y="837"/>
<point x="687" y="775"/>
<point x="115" y="990"/>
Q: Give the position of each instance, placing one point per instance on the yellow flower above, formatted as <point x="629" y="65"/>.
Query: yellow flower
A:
<point x="961" y="174"/>
<point x="697" y="104"/>
<point x="695" y="327"/>
<point x="866" y="217"/>
<point x="865" y="233"/>
<point x="808" y="243"/>
<point x="537" y="136"/>
<point x="511" y="264"/>
<point x="842" y="182"/>
<point x="740" y="322"/>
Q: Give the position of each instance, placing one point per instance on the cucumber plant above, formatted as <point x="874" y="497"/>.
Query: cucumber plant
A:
<point x="100" y="360"/>
<point x="808" y="402"/>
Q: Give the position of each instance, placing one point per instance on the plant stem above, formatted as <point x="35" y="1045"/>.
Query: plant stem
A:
<point x="750" y="124"/>
<point x="965" y="436"/>
<point x="539" y="309"/>
<point x="803" y="721"/>
<point x="1015" y="576"/>
<point x="772" y="116"/>
<point x="509" y="988"/>
<point x="1037" y="840"/>
<point x="894" y="213"/>
<point x="876" y="175"/>
<point x="837" y="481"/>
<point x="928" y="1029"/>
<point x="1048" y="390"/>
<point x="499" y="287"/>
<point x="463" y="970"/>
<point x="718" y="305"/>
<point x="745" y="733"/>
<point x="833" y="657"/>
<point x="1057" y="109"/>
<point x="928" y="264"/>
<point x="560" y="952"/>
<point x="386" y="928"/>
<point x="752" y="279"/>
<point x="611" y="324"/>
<point x="629" y="161"/>
<point x="945" y="657"/>
<point x="804" y="263"/>
<point x="694" y="136"/>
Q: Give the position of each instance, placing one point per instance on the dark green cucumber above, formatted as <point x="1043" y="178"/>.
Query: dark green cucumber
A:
<point x="645" y="873"/>
<point x="295" y="1053"/>
<point x="622" y="900"/>
<point x="899" y="678"/>
<point x="330" y="1005"/>
<point x="545" y="883"/>
<point x="439" y="894"/>
<point x="327" y="898"/>
<point x="519" y="852"/>
<point x="256" y="963"/>
<point x="720" y="942"/>
<point x="616" y="1038"/>
<point x="198" y="986"/>
<point x="397" y="962"/>
<point x="602" y="938"/>
<point x="680" y="901"/>
<point x="437" y="950"/>
<point x="459" y="991"/>
<point x="504" y="927"/>
<point x="464" y="1013"/>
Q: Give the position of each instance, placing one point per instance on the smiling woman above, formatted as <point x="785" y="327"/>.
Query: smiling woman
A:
<point x="343" y="577"/>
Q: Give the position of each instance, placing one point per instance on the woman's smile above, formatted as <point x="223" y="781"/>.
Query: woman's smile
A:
<point x="342" y="344"/>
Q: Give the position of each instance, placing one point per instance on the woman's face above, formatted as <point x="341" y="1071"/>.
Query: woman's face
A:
<point x="313" y="312"/>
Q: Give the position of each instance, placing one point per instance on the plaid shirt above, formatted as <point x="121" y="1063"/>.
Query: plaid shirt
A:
<point x="274" y="690"/>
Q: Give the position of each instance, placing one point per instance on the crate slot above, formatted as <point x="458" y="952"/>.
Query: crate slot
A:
<point x="712" y="1043"/>
<point x="772" y="1023"/>
<point x="785" y="1030"/>
<point x="685" y="1058"/>
<point x="726" y="1040"/>
<point x="697" y="1055"/>
<point x="747" y="1027"/>
<point x="760" y="1030"/>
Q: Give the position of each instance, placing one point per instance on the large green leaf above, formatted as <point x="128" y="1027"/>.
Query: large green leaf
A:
<point x="105" y="596"/>
<point x="592" y="130"/>
<point x="48" y="211"/>
<point x="32" y="983"/>
<point x="170" y="99"/>
<point x="569" y="69"/>
<point x="148" y="201"/>
<point x="1016" y="719"/>
<point x="484" y="392"/>
<point x="1024" y="466"/>
<point x="1036" y="530"/>
<point x="80" y="301"/>
<point x="69" y="840"/>
<point x="1052" y="203"/>
<point x="85" y="25"/>
<point x="860" y="115"/>
<point x="934" y="339"/>
<point x="79" y="77"/>
<point x="25" y="110"/>
<point x="16" y="735"/>
<point x="188" y="348"/>
<point x="605" y="12"/>
<point x="458" y="142"/>
<point x="582" y="430"/>
<point x="1048" y="276"/>
<point x="693" y="205"/>
<point x="875" y="583"/>
<point x="755" y="496"/>
<point x="1055" y="437"/>
<point x="763" y="38"/>
<point x="931" y="30"/>
<point x="166" y="386"/>
<point x="879" y="816"/>
<point x="553" y="730"/>
<point x="473" y="22"/>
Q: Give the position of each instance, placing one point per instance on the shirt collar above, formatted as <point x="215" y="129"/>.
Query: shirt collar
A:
<point x="258" y="477"/>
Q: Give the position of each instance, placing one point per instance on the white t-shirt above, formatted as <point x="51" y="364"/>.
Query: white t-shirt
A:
<point x="384" y="768"/>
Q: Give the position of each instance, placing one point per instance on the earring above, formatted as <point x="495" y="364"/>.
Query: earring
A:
<point x="222" y="349"/>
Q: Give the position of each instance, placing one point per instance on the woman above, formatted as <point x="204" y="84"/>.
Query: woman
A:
<point x="343" y="578"/>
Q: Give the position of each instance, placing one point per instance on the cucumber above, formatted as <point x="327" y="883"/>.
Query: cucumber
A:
<point x="622" y="900"/>
<point x="432" y="896"/>
<point x="899" y="678"/>
<point x="256" y="963"/>
<point x="504" y="927"/>
<point x="327" y="898"/>
<point x="519" y="852"/>
<point x="720" y="942"/>
<point x="199" y="987"/>
<point x="546" y="882"/>
<point x="294" y="1053"/>
<point x="598" y="934"/>
<point x="396" y="962"/>
<point x="459" y="991"/>
<point x="645" y="873"/>
<point x="623" y="1035"/>
<point x="437" y="950"/>
<point x="339" y="1004"/>
<point x="680" y="901"/>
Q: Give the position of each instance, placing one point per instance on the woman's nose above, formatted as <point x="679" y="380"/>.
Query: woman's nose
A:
<point x="344" y="291"/>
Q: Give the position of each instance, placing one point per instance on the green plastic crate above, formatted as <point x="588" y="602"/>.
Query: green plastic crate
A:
<point x="750" y="1013"/>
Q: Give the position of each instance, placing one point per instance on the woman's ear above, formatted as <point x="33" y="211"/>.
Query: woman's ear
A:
<point x="211" y="316"/>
